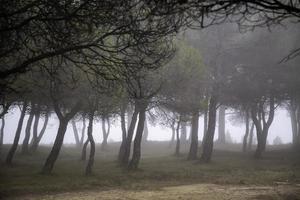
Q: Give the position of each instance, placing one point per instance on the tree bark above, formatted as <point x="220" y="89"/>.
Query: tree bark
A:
<point x="146" y="131"/>
<point x="173" y="133"/>
<point x="245" y="139"/>
<point x="88" y="170"/>
<point x="177" y="148"/>
<point x="129" y="116"/>
<point x="221" y="130"/>
<point x="183" y="135"/>
<point x="124" y="131"/>
<point x="262" y="128"/>
<point x="209" y="139"/>
<point x="13" y="148"/>
<point x="37" y="115"/>
<point x="2" y="132"/>
<point x="298" y="130"/>
<point x="136" y="156"/>
<point x="75" y="131"/>
<point x="63" y="123"/>
<point x="35" y="143"/>
<point x="250" y="142"/>
<point x="83" y="153"/>
<point x="48" y="166"/>
<point x="194" y="137"/>
<point x="293" y="115"/>
<point x="125" y="153"/>
<point x="105" y="132"/>
<point x="82" y="131"/>
<point x="28" y="130"/>
<point x="205" y="124"/>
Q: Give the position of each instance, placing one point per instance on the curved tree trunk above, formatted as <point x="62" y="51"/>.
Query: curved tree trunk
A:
<point x="209" y="138"/>
<point x="194" y="137"/>
<point x="28" y="130"/>
<point x="105" y="132"/>
<point x="90" y="163"/>
<point x="125" y="153"/>
<point x="13" y="148"/>
<point x="48" y="166"/>
<point x="83" y="153"/>
<point x="136" y="156"/>
<point x="262" y="125"/>
<point x="35" y="143"/>
<point x="63" y="123"/>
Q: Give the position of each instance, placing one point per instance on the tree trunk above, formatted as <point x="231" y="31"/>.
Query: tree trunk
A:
<point x="298" y="130"/>
<point x="105" y="132"/>
<point x="136" y="156"/>
<point x="262" y="131"/>
<point x="48" y="166"/>
<point x="90" y="163"/>
<point x="146" y="131"/>
<point x="13" y="148"/>
<point x="2" y="132"/>
<point x="83" y="153"/>
<point x="246" y="132"/>
<point x="177" y="149"/>
<point x="63" y="123"/>
<point x="204" y="125"/>
<point x="124" y="132"/>
<point x="221" y="130"/>
<point x="250" y="142"/>
<point x="36" y="142"/>
<point x="125" y="153"/>
<point x="194" y="137"/>
<point x="82" y="131"/>
<point x="261" y="144"/>
<point x="129" y="116"/>
<point x="293" y="115"/>
<point x="173" y="134"/>
<point x="209" y="139"/>
<point x="28" y="130"/>
<point x="37" y="115"/>
<point x="75" y="131"/>
<point x="183" y="135"/>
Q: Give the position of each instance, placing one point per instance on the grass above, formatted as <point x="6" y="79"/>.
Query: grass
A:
<point x="158" y="168"/>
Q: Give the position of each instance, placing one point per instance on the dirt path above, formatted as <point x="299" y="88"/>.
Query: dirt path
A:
<point x="186" y="192"/>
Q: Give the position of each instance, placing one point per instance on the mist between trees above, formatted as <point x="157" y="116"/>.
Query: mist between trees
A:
<point x="148" y="62"/>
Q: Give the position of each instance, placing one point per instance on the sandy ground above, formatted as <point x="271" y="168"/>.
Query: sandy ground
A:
<point x="185" y="192"/>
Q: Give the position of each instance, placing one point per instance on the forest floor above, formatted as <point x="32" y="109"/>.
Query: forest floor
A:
<point x="230" y="175"/>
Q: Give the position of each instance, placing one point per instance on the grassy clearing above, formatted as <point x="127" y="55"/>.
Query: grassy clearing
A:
<point x="158" y="169"/>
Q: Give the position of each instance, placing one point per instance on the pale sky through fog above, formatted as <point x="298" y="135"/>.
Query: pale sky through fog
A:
<point x="281" y="126"/>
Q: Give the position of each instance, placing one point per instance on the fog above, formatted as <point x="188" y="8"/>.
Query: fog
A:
<point x="180" y="99"/>
<point x="280" y="127"/>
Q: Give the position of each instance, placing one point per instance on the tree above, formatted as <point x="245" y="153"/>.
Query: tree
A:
<point x="14" y="146"/>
